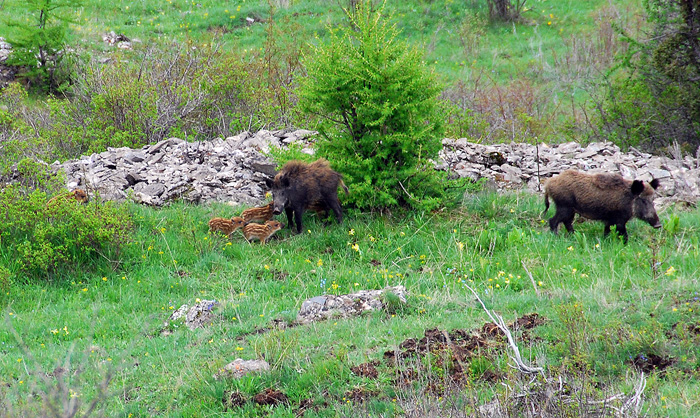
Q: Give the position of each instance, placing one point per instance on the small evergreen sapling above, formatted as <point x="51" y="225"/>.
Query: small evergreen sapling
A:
<point x="378" y="107"/>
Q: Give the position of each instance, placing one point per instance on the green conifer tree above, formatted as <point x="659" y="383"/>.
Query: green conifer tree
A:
<point x="38" y="39"/>
<point x="378" y="105"/>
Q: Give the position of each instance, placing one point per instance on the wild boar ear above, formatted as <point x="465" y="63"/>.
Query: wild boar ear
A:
<point x="284" y="181"/>
<point x="637" y="187"/>
<point x="268" y="182"/>
<point x="654" y="184"/>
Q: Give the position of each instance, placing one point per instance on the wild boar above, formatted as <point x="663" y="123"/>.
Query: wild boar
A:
<point x="604" y="197"/>
<point x="261" y="231"/>
<point x="78" y="195"/>
<point x="262" y="213"/>
<point x="300" y="186"/>
<point x="226" y="226"/>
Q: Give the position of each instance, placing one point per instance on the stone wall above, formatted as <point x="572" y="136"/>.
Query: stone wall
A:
<point x="234" y="169"/>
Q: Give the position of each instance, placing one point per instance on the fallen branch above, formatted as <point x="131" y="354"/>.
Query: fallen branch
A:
<point x="532" y="279"/>
<point x="498" y="320"/>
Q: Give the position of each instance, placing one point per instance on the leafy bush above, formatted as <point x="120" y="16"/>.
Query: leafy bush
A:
<point x="40" y="238"/>
<point x="379" y="112"/>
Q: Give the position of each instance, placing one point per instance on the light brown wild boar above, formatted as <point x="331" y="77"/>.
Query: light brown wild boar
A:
<point x="300" y="186"/>
<point x="78" y="195"/>
<point x="262" y="232"/>
<point x="262" y="213"/>
<point x="603" y="197"/>
<point x="226" y="226"/>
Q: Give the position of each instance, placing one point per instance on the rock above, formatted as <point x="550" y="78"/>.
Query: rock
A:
<point x="233" y="170"/>
<point x="344" y="306"/>
<point x="196" y="316"/>
<point x="239" y="368"/>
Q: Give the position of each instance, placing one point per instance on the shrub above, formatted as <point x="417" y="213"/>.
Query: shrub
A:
<point x="378" y="111"/>
<point x="39" y="239"/>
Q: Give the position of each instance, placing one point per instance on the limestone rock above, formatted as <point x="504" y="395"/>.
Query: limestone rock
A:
<point x="239" y="368"/>
<point x="327" y="306"/>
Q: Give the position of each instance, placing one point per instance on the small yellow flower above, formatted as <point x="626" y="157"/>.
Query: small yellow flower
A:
<point x="319" y="262"/>
<point x="239" y="348"/>
<point x="670" y="271"/>
<point x="356" y="247"/>
<point x="540" y="283"/>
<point x="104" y="279"/>
<point x="570" y="248"/>
<point x="267" y="267"/>
<point x="54" y="331"/>
<point x="460" y="245"/>
<point x="351" y="232"/>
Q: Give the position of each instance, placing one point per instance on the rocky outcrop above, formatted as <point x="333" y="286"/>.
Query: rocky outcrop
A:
<point x="518" y="165"/>
<point x="346" y="306"/>
<point x="234" y="169"/>
<point x="230" y="170"/>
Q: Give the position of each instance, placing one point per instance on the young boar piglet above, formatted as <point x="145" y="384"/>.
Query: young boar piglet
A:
<point x="603" y="197"/>
<point x="262" y="213"/>
<point x="300" y="186"/>
<point x="78" y="195"/>
<point x="226" y="226"/>
<point x="262" y="232"/>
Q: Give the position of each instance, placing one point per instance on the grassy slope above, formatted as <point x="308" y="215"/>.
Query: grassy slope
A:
<point x="600" y="298"/>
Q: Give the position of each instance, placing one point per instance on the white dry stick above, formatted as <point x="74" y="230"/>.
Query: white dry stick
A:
<point x="498" y="320"/>
<point x="532" y="279"/>
<point x="635" y="401"/>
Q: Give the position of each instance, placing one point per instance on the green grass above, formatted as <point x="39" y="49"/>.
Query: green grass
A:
<point x="504" y="51"/>
<point x="603" y="303"/>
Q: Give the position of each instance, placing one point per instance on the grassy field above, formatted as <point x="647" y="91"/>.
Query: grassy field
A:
<point x="594" y="313"/>
<point x="605" y="307"/>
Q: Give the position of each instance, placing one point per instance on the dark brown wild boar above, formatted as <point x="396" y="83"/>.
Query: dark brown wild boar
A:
<point x="300" y="186"/>
<point x="603" y="197"/>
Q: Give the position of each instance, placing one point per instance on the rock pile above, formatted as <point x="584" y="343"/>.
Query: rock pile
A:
<point x="345" y="306"/>
<point x="230" y="170"/>
<point x="234" y="169"/>
<point x="519" y="165"/>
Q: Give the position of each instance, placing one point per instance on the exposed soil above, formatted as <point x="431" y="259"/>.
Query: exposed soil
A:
<point x="368" y="370"/>
<point x="452" y="353"/>
<point x="270" y="397"/>
<point x="648" y="363"/>
<point x="359" y="395"/>
<point x="233" y="400"/>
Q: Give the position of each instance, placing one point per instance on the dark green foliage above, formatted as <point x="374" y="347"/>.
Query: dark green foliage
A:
<point x="379" y="112"/>
<point x="40" y="238"/>
<point x="39" y="42"/>
<point x="654" y="100"/>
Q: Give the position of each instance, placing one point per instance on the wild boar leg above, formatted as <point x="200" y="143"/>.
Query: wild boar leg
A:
<point x="563" y="214"/>
<point x="290" y="217"/>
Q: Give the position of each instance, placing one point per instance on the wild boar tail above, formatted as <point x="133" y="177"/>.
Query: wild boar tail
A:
<point x="546" y="203"/>
<point x="345" y="188"/>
